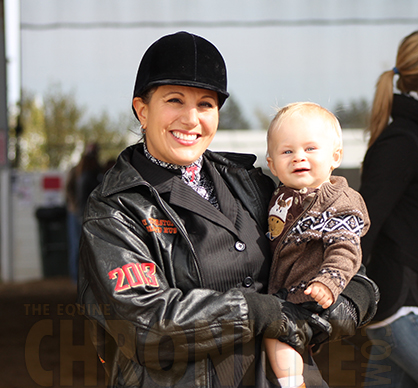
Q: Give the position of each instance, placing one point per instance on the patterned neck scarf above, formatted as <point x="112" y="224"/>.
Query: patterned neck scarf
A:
<point x="193" y="175"/>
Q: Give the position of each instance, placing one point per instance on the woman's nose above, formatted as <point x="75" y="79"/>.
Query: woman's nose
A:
<point x="191" y="117"/>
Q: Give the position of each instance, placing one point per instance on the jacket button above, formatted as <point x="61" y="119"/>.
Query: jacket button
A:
<point x="248" y="281"/>
<point x="240" y="246"/>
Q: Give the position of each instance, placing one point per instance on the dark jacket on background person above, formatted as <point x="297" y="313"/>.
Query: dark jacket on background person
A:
<point x="389" y="186"/>
<point x="169" y="278"/>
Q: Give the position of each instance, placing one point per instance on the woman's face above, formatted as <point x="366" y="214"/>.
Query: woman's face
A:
<point x="179" y="121"/>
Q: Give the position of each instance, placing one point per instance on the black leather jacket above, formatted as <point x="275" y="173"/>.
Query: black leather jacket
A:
<point x="140" y="285"/>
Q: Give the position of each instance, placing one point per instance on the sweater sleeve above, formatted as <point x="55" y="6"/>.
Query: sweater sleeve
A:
<point x="341" y="238"/>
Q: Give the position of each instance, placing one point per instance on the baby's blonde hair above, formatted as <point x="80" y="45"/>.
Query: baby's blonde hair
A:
<point x="305" y="108"/>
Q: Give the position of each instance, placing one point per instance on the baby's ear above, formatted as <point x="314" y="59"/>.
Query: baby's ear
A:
<point x="270" y="164"/>
<point x="337" y="158"/>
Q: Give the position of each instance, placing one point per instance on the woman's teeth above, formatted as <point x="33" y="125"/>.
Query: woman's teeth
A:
<point x="184" y="136"/>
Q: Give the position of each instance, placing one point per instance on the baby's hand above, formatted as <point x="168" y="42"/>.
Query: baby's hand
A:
<point x="321" y="293"/>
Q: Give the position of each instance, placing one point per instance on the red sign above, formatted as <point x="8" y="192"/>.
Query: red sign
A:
<point x="52" y="182"/>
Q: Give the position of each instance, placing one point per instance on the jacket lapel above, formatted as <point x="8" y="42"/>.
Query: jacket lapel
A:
<point x="227" y="202"/>
<point x="184" y="196"/>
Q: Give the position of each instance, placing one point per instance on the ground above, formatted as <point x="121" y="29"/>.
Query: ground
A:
<point x="43" y="342"/>
<point x="42" y="334"/>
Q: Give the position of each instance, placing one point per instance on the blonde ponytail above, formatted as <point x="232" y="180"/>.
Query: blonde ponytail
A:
<point x="382" y="106"/>
<point x="407" y="69"/>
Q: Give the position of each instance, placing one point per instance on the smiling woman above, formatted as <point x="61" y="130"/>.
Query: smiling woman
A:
<point x="173" y="241"/>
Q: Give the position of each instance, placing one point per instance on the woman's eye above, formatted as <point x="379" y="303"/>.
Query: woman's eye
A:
<point x="174" y="100"/>
<point x="206" y="104"/>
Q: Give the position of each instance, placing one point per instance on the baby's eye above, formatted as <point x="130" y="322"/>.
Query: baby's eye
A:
<point x="287" y="152"/>
<point x="311" y="149"/>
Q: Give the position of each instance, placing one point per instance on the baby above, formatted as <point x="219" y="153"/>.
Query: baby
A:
<point x="315" y="220"/>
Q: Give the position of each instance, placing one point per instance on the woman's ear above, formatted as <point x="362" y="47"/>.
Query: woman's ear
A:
<point x="141" y="110"/>
<point x="337" y="158"/>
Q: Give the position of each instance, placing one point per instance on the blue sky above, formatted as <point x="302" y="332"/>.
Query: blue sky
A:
<point x="326" y="51"/>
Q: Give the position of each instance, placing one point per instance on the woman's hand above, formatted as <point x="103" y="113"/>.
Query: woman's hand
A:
<point x="342" y="316"/>
<point x="274" y="317"/>
<point x="299" y="326"/>
<point x="354" y="308"/>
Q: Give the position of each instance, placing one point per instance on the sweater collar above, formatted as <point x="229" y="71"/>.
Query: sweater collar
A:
<point x="326" y="194"/>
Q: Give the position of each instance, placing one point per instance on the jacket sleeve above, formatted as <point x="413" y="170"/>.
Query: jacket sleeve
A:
<point x="121" y="265"/>
<point x="364" y="294"/>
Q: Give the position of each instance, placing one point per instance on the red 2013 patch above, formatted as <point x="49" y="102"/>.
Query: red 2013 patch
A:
<point x="134" y="275"/>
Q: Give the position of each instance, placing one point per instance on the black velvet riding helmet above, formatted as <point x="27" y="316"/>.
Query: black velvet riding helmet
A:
<point x="182" y="59"/>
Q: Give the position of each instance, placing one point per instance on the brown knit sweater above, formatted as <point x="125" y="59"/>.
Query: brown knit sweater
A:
<point x="315" y="237"/>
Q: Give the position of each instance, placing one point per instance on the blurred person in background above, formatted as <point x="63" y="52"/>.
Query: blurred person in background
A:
<point x="89" y="175"/>
<point x="389" y="185"/>
<point x="81" y="181"/>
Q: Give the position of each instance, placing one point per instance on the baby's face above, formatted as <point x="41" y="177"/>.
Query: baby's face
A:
<point x="303" y="151"/>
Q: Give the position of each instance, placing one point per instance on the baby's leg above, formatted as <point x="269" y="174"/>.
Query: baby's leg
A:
<point x="286" y="362"/>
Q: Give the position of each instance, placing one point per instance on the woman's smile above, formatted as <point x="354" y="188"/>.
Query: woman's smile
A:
<point x="187" y="136"/>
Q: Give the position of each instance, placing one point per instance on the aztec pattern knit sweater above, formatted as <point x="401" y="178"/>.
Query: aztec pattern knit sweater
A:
<point x="315" y="237"/>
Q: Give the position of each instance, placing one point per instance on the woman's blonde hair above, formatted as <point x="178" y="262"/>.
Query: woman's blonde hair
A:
<point x="407" y="69"/>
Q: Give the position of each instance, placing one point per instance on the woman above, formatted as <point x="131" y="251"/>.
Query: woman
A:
<point x="174" y="261"/>
<point x="389" y="186"/>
